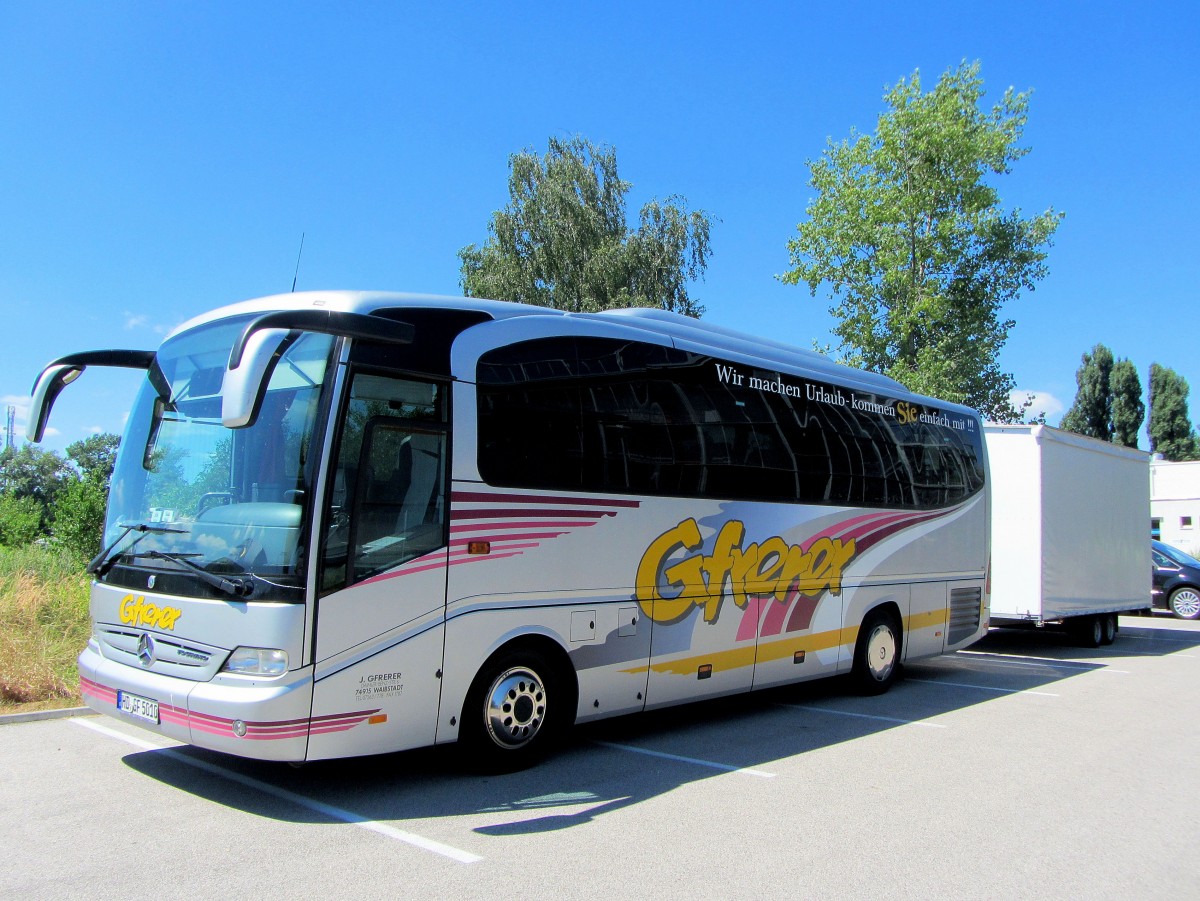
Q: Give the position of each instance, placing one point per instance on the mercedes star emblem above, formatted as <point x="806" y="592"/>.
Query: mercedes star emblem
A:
<point x="145" y="649"/>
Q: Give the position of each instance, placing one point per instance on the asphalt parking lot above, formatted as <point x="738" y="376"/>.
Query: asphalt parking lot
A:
<point x="1023" y="767"/>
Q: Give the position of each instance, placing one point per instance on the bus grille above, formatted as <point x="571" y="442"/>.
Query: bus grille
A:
<point x="172" y="657"/>
<point x="965" y="605"/>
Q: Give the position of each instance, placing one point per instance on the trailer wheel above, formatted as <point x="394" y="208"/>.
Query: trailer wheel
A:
<point x="514" y="712"/>
<point x="1089" y="630"/>
<point x="1185" y="603"/>
<point x="876" y="654"/>
<point x="1109" y="624"/>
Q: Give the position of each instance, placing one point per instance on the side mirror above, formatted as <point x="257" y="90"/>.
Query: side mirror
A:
<point x="49" y="385"/>
<point x="245" y="383"/>
<point x="265" y="339"/>
<point x="65" y="370"/>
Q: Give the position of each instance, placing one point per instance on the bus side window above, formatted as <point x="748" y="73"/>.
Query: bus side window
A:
<point x="387" y="500"/>
<point x="399" y="511"/>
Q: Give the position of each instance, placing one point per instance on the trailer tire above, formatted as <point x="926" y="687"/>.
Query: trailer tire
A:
<point x="1088" y="630"/>
<point x="876" y="653"/>
<point x="1109" y="624"/>
<point x="517" y="709"/>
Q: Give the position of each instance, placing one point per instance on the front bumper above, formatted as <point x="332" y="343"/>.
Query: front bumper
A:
<point x="266" y="719"/>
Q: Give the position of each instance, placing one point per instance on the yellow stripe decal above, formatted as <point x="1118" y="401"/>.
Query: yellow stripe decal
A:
<point x="925" y="620"/>
<point x="736" y="658"/>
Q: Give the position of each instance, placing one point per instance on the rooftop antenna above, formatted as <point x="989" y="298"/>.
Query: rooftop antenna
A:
<point x="297" y="273"/>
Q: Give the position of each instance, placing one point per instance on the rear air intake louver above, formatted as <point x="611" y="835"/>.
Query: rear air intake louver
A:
<point x="965" y="604"/>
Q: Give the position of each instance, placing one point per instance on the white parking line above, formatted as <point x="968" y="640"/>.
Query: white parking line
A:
<point x="1051" y="662"/>
<point x="1150" y="635"/>
<point x="120" y="736"/>
<point x="334" y="813"/>
<point x="1005" y="691"/>
<point x="865" y="716"/>
<point x="725" y="767"/>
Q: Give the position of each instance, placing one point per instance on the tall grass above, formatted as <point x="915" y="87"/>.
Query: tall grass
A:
<point x="43" y="627"/>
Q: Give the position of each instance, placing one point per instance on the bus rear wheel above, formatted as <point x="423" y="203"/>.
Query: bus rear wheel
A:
<point x="514" y="711"/>
<point x="876" y="654"/>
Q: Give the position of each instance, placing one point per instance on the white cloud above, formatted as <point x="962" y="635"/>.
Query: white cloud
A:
<point x="1044" y="403"/>
<point x="143" y="322"/>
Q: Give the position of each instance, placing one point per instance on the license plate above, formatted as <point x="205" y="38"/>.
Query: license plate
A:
<point x="135" y="705"/>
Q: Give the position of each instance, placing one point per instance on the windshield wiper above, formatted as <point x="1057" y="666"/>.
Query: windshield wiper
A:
<point x="102" y="562"/>
<point x="241" y="588"/>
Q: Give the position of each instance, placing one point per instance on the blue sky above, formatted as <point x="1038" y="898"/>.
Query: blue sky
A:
<point x="158" y="160"/>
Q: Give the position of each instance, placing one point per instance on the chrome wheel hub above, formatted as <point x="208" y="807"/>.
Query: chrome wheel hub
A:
<point x="881" y="652"/>
<point x="516" y="707"/>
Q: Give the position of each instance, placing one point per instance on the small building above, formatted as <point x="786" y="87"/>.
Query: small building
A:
<point x="1175" y="504"/>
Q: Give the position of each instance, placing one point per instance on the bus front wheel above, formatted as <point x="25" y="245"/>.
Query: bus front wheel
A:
<point x="876" y="654"/>
<point x="514" y="711"/>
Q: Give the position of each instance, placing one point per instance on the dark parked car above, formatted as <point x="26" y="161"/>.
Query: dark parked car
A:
<point x="1176" y="581"/>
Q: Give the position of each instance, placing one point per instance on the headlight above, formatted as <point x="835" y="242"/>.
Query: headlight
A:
<point x="257" y="662"/>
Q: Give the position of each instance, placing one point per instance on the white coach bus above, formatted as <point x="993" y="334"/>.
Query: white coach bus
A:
<point x="352" y="523"/>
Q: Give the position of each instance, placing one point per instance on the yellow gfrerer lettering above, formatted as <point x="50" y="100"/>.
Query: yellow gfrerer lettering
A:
<point x="771" y="568"/>
<point x="683" y="576"/>
<point x="136" y="612"/>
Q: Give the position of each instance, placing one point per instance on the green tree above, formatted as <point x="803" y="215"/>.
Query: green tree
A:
<point x="563" y="241"/>
<point x="911" y="241"/>
<point x="95" y="456"/>
<point x="1169" y="427"/>
<point x="80" y="506"/>
<point x="1108" y="402"/>
<point x="1128" y="411"/>
<point x="30" y="472"/>
<point x="79" y="517"/>
<point x="1091" y="413"/>
<point x="20" y="520"/>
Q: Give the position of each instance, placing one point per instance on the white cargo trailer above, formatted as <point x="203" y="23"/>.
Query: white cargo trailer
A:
<point x="1070" y="530"/>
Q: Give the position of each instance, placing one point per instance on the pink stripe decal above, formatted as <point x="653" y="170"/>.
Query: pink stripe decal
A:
<point x="875" y="522"/>
<point x="777" y="611"/>
<point x="866" y="530"/>
<point x="532" y="513"/>
<point x="258" y="730"/>
<point x="748" y="627"/>
<point x="456" y="528"/>
<point x="507" y="536"/>
<point x="97" y="691"/>
<point x="875" y="537"/>
<point x="486" y="497"/>
<point x="802" y="613"/>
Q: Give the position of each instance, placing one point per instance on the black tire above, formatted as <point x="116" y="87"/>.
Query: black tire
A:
<point x="1088" y="630"/>
<point x="876" y="654"/>
<point x="1185" y="603"/>
<point x="1108" y="628"/>
<point x="517" y="710"/>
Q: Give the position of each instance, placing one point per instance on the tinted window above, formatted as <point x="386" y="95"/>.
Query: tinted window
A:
<point x="429" y="354"/>
<point x="619" y="416"/>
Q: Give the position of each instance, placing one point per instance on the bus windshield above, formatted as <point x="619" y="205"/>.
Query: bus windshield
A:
<point x="200" y="510"/>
